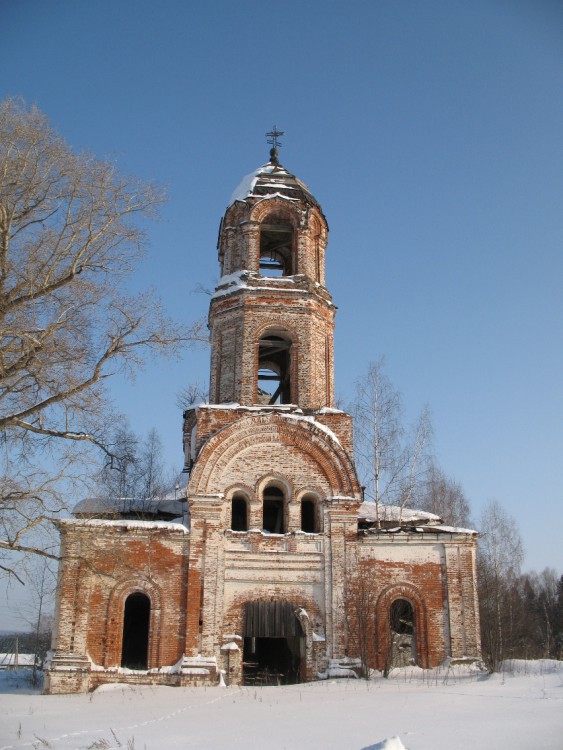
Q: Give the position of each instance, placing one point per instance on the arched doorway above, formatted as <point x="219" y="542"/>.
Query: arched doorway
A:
<point x="274" y="644"/>
<point x="403" y="636"/>
<point x="136" y="622"/>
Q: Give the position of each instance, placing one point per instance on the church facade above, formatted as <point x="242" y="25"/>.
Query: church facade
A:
<point x="259" y="576"/>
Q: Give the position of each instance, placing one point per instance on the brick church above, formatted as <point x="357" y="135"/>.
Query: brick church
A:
<point x="255" y="577"/>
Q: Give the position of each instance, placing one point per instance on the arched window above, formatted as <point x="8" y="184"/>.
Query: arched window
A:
<point x="136" y="622"/>
<point x="276" y="248"/>
<point x="273" y="511"/>
<point x="274" y="366"/>
<point x="239" y="513"/>
<point x="310" y="515"/>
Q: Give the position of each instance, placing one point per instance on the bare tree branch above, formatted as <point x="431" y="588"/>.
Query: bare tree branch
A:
<point x="71" y="230"/>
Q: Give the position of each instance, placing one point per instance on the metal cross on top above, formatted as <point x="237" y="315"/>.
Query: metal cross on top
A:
<point x="272" y="137"/>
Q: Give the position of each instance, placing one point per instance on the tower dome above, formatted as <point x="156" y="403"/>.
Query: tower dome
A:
<point x="272" y="180"/>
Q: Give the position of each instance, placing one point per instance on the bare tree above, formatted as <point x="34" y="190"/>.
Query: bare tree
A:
<point x="391" y="460"/>
<point x="152" y="474"/>
<point x="536" y="616"/>
<point x="445" y="497"/>
<point x="500" y="556"/>
<point x="119" y="478"/>
<point x="70" y="233"/>
<point x="38" y="612"/>
<point x="192" y="394"/>
<point x="135" y="474"/>
<point x="359" y="611"/>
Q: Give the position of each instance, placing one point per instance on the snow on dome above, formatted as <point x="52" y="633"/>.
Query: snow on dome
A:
<point x="272" y="181"/>
<point x="246" y="186"/>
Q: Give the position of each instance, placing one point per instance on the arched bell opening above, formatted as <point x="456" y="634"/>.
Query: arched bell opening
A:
<point x="274" y="370"/>
<point x="403" y="635"/>
<point x="136" y="625"/>
<point x="276" y="248"/>
<point x="274" y="644"/>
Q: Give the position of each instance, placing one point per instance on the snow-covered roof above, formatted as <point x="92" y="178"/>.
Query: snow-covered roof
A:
<point x="124" y="524"/>
<point x="396" y="514"/>
<point x="453" y="529"/>
<point x="394" y="517"/>
<point x="272" y="181"/>
<point x="99" y="506"/>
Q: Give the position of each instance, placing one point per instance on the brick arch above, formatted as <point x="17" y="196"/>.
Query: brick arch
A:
<point x="309" y="489"/>
<point x="235" y="214"/>
<point x="275" y="479"/>
<point x="318" y="228"/>
<point x="269" y="207"/>
<point x="239" y="487"/>
<point x="413" y="595"/>
<point x="114" y="620"/>
<point x="277" y="324"/>
<point x="219" y="455"/>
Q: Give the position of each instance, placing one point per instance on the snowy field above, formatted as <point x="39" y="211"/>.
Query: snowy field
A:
<point x="444" y="709"/>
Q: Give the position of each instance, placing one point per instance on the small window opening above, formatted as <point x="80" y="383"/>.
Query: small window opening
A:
<point x="309" y="522"/>
<point x="136" y="620"/>
<point x="274" y="370"/>
<point x="276" y="250"/>
<point x="239" y="514"/>
<point x="273" y="511"/>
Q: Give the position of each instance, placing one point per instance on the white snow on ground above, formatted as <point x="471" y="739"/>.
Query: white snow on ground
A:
<point x="455" y="708"/>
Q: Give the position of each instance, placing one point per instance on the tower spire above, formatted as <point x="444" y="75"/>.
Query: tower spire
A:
<point x="272" y="138"/>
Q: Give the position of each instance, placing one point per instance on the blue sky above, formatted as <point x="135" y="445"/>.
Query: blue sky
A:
<point x="431" y="134"/>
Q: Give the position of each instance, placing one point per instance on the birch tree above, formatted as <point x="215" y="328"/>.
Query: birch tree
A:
<point x="71" y="231"/>
<point x="445" y="497"/>
<point x="500" y="555"/>
<point x="391" y="460"/>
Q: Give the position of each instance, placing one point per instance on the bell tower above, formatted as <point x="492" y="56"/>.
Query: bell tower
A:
<point x="271" y="317"/>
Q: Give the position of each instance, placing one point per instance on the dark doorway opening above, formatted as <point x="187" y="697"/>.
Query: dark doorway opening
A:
<point x="403" y="641"/>
<point x="136" y="620"/>
<point x="273" y="644"/>
<point x="271" y="661"/>
<point x="273" y="511"/>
